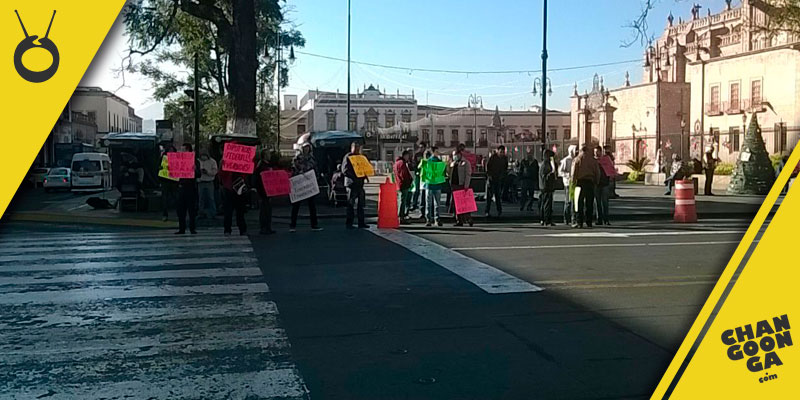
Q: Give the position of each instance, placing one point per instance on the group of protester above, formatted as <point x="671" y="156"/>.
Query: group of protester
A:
<point x="588" y="178"/>
<point x="193" y="194"/>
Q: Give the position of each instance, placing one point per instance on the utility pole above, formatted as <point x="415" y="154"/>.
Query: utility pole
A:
<point x="544" y="77"/>
<point x="196" y="104"/>
<point x="278" y="86"/>
<point x="474" y="101"/>
<point x="348" y="65"/>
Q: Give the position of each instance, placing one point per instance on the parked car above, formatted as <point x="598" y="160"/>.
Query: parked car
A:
<point x="36" y="176"/>
<point x="58" y="178"/>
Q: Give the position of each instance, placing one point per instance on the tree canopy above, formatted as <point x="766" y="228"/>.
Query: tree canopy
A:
<point x="236" y="45"/>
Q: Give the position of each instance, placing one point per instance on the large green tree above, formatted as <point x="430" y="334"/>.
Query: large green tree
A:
<point x="236" y="44"/>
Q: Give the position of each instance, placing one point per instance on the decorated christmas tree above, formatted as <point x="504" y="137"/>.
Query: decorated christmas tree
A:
<point x="754" y="173"/>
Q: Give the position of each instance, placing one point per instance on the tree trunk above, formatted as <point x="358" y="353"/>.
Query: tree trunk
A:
<point x="242" y="67"/>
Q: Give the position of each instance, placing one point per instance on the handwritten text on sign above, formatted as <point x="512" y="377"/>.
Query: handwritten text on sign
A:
<point x="238" y="158"/>
<point x="361" y="166"/>
<point x="304" y="186"/>
<point x="181" y="165"/>
<point x="276" y="183"/>
<point x="465" y="201"/>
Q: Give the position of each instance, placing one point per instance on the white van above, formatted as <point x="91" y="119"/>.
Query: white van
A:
<point x="91" y="171"/>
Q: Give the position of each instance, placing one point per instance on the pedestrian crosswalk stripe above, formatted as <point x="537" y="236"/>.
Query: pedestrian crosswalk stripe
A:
<point x="140" y="316"/>
<point x="163" y="251"/>
<point x="162" y="274"/>
<point x="189" y="246"/>
<point x="232" y="261"/>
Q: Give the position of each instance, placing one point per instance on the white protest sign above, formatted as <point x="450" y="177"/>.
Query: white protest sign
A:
<point x="304" y="186"/>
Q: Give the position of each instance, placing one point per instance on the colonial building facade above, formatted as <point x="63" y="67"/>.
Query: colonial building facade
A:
<point x="703" y="79"/>
<point x="391" y="123"/>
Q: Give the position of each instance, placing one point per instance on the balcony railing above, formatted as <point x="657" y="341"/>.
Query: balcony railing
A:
<point x="713" y="109"/>
<point x="727" y="107"/>
<point x="732" y="107"/>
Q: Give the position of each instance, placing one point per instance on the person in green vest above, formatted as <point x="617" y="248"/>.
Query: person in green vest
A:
<point x="168" y="185"/>
<point x="435" y="180"/>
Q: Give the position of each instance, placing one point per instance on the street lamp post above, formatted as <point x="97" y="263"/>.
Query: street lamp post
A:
<point x="474" y="101"/>
<point x="544" y="74"/>
<point x="348" y="67"/>
<point x="546" y="89"/>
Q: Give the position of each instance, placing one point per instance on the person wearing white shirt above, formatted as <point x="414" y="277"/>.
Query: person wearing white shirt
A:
<point x="565" y="172"/>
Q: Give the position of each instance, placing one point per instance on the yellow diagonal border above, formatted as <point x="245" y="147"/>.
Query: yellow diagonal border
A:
<point x="30" y="110"/>
<point x="720" y="383"/>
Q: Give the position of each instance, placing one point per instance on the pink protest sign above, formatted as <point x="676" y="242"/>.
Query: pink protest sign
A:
<point x="181" y="165"/>
<point x="471" y="158"/>
<point x="465" y="201"/>
<point x="276" y="183"/>
<point x="238" y="158"/>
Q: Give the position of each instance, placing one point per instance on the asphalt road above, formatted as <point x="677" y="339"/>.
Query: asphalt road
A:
<point x="425" y="313"/>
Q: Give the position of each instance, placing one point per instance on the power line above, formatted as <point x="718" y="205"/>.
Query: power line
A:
<point x="465" y="72"/>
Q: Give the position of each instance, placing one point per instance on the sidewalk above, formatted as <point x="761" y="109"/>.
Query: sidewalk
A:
<point x="638" y="202"/>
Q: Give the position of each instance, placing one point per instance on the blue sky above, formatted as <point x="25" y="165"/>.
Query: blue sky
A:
<point x="471" y="35"/>
<point x="443" y="34"/>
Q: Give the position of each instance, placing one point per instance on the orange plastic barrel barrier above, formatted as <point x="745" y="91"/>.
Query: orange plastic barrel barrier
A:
<point x="387" y="206"/>
<point x="685" y="207"/>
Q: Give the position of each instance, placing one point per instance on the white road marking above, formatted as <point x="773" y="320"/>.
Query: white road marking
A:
<point x="580" y="246"/>
<point x="86" y="339"/>
<point x="484" y="276"/>
<point x="632" y="234"/>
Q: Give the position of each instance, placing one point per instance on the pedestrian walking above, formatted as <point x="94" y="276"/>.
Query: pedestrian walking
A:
<point x="675" y="174"/>
<point x="586" y="176"/>
<point x="565" y="172"/>
<point x="205" y="185"/>
<point x="419" y="155"/>
<point x="460" y="174"/>
<point x="529" y="181"/>
<point x="302" y="163"/>
<point x="265" y="163"/>
<point x="235" y="192"/>
<point x="547" y="183"/>
<point x="187" y="199"/>
<point x="355" y="189"/>
<point x="169" y="185"/>
<point x="422" y="186"/>
<point x="496" y="171"/>
<point x="709" y="167"/>
<point x="404" y="181"/>
<point x="603" y="192"/>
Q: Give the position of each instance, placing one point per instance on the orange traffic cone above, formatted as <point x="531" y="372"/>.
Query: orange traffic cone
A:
<point x="387" y="206"/>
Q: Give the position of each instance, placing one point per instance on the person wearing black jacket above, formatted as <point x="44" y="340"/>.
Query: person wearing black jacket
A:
<point x="529" y="181"/>
<point x="496" y="171"/>
<point x="547" y="183"/>
<point x="265" y="163"/>
<point x="188" y="198"/>
<point x="355" y="189"/>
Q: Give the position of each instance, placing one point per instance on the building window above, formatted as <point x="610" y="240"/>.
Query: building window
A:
<point x="426" y="135"/>
<point x="755" y="94"/>
<point x="301" y="129"/>
<point x="553" y="134"/>
<point x="512" y="134"/>
<point x="331" y="121"/>
<point x="780" y="137"/>
<point x="454" y="137"/>
<point x="406" y="118"/>
<point x="440" y="136"/>
<point x="484" y="138"/>
<point x="353" y="121"/>
<point x="735" y="98"/>
<point x="389" y="120"/>
<point x="735" y="139"/>
<point x="539" y="135"/>
<point x="714" y="107"/>
<point x="470" y="135"/>
<point x="567" y="133"/>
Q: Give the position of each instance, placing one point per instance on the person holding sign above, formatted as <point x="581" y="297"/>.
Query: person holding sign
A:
<point x="355" y="188"/>
<point x="168" y="184"/>
<point x="434" y="178"/>
<point x="188" y="197"/>
<point x="302" y="163"/>
<point x="460" y="172"/>
<point x="234" y="196"/>
<point x="264" y="206"/>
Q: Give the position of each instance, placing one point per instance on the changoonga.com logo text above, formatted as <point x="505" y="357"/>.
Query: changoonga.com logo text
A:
<point x="760" y="344"/>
